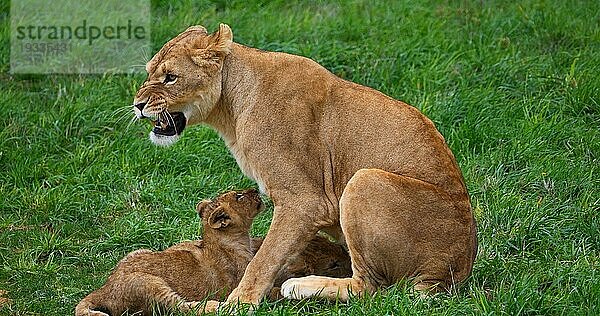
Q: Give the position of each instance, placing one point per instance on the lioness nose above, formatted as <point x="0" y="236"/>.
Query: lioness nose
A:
<point x="140" y="106"/>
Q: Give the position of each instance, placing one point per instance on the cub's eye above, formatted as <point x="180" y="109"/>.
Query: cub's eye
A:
<point x="170" y="78"/>
<point x="239" y="196"/>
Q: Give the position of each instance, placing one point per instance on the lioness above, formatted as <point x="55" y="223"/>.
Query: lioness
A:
<point x="184" y="275"/>
<point x="332" y="155"/>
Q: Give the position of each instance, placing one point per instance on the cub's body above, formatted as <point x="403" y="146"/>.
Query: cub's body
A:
<point x="183" y="276"/>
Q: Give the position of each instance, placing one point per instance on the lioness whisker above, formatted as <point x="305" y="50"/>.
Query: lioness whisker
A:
<point x="119" y="120"/>
<point x="130" y="122"/>
<point x="122" y="117"/>
<point x="198" y="105"/>
<point x="120" y="111"/>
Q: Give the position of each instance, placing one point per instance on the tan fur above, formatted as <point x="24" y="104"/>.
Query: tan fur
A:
<point x="333" y="156"/>
<point x="184" y="275"/>
<point x="7" y="301"/>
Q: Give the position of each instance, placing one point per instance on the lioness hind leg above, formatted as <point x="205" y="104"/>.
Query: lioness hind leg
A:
<point x="319" y="286"/>
<point x="427" y="287"/>
<point x="399" y="227"/>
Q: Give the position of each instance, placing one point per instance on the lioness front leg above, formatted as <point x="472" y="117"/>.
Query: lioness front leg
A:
<point x="289" y="234"/>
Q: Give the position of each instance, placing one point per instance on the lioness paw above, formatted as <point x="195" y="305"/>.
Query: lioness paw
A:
<point x="299" y="288"/>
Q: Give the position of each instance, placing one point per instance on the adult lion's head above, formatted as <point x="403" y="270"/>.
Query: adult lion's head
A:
<point x="184" y="82"/>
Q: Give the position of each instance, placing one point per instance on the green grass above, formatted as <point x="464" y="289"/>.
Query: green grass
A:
<point x="514" y="88"/>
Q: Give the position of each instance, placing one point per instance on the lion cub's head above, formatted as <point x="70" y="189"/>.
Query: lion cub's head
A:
<point x="230" y="212"/>
<point x="184" y="82"/>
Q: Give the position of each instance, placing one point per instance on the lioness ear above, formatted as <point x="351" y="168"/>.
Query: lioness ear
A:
<point x="198" y="28"/>
<point x="201" y="207"/>
<point x="221" y="40"/>
<point x="218" y="46"/>
<point x="219" y="218"/>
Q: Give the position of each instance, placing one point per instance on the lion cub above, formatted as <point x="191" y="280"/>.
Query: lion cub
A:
<point x="184" y="275"/>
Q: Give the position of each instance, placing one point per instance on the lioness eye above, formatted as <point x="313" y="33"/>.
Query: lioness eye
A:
<point x="170" y="78"/>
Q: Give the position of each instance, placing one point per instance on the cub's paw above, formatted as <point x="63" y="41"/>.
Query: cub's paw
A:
<point x="211" y="306"/>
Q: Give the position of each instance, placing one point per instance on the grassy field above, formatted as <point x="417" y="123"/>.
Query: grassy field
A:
<point x="514" y="88"/>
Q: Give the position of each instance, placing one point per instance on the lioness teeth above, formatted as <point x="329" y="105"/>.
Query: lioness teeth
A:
<point x="157" y="122"/>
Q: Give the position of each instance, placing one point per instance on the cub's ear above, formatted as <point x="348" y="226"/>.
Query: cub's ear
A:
<point x="219" y="218"/>
<point x="201" y="207"/>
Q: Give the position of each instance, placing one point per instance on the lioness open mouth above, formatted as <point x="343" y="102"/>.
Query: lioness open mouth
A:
<point x="169" y="124"/>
